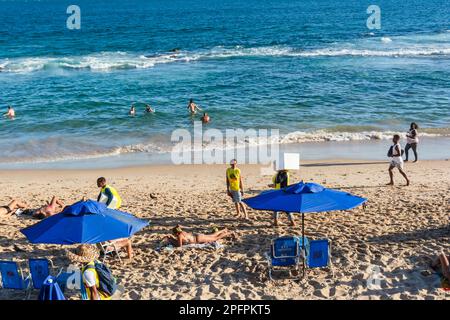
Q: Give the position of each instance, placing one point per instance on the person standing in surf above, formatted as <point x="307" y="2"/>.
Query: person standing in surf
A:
<point x="149" y="109"/>
<point x="192" y="107"/>
<point x="412" y="139"/>
<point x="132" y="111"/>
<point x="395" y="153"/>
<point x="11" y="114"/>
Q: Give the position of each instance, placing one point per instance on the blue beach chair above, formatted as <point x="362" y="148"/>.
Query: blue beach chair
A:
<point x="39" y="270"/>
<point x="319" y="255"/>
<point x="285" y="253"/>
<point x="12" y="277"/>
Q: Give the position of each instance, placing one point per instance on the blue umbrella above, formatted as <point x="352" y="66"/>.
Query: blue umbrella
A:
<point x="304" y="198"/>
<point x="84" y="222"/>
<point x="50" y="290"/>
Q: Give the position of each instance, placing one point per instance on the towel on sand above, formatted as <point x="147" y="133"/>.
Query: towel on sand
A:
<point x="212" y="245"/>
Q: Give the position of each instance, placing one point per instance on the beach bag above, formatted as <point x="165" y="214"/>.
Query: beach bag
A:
<point x="390" y="152"/>
<point x="107" y="282"/>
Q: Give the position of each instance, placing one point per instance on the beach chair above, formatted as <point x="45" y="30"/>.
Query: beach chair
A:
<point x="12" y="277"/>
<point x="109" y="248"/>
<point x="319" y="255"/>
<point x="39" y="271"/>
<point x="285" y="253"/>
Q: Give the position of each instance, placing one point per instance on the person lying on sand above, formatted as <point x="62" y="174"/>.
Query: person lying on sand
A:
<point x="181" y="237"/>
<point x="12" y="207"/>
<point x="51" y="208"/>
<point x="442" y="262"/>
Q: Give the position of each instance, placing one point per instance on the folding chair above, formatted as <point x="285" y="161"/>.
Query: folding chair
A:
<point x="319" y="254"/>
<point x="108" y="248"/>
<point x="285" y="253"/>
<point x="39" y="271"/>
<point x="12" y="277"/>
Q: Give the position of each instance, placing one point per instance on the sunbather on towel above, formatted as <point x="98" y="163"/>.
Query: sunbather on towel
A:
<point x="12" y="207"/>
<point x="442" y="262"/>
<point x="181" y="237"/>
<point x="51" y="208"/>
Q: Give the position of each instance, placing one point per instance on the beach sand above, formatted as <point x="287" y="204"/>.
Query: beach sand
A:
<point x="396" y="234"/>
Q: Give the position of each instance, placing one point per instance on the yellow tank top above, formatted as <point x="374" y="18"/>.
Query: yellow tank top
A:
<point x="91" y="267"/>
<point x="234" y="178"/>
<point x="117" y="201"/>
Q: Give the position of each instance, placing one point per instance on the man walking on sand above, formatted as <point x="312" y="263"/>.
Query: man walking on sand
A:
<point x="235" y="188"/>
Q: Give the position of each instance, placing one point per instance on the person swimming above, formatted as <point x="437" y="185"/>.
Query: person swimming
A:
<point x="149" y="109"/>
<point x="11" y="113"/>
<point x="132" y="111"/>
<point x="206" y="118"/>
<point x="192" y="107"/>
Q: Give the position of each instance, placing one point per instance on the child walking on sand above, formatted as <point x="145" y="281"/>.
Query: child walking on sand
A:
<point x="395" y="153"/>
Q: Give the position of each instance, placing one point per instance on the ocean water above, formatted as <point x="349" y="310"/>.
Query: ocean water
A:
<point x="311" y="69"/>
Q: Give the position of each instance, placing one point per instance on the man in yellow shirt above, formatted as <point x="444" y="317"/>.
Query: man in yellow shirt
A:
<point x="235" y="187"/>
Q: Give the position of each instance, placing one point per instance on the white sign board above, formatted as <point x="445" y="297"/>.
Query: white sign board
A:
<point x="288" y="161"/>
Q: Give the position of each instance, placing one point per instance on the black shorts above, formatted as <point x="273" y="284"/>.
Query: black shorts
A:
<point x="8" y="209"/>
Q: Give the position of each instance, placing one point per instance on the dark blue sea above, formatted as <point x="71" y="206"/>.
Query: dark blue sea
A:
<point x="311" y="69"/>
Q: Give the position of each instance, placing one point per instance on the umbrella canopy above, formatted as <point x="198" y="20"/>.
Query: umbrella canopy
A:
<point x="304" y="198"/>
<point x="84" y="222"/>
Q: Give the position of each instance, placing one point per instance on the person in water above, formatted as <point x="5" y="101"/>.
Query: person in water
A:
<point x="235" y="187"/>
<point x="181" y="237"/>
<point x="132" y="111"/>
<point x="11" y="113"/>
<point x="412" y="139"/>
<point x="192" y="107"/>
<point x="149" y="109"/>
<point x="12" y="207"/>
<point x="279" y="181"/>
<point x="53" y="207"/>
<point x="205" y="118"/>
<point x="108" y="195"/>
<point x="396" y="160"/>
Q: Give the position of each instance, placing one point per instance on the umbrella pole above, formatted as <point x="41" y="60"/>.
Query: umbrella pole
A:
<point x="303" y="243"/>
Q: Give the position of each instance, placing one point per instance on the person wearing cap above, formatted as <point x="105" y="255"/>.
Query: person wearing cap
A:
<point x="235" y="187"/>
<point x="87" y="255"/>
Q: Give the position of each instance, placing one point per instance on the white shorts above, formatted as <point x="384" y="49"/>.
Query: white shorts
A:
<point x="396" y="164"/>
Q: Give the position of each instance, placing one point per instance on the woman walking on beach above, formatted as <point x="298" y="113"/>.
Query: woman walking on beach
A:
<point x="395" y="153"/>
<point x="412" y="139"/>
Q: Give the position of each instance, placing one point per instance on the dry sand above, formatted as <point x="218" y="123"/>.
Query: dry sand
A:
<point x="399" y="230"/>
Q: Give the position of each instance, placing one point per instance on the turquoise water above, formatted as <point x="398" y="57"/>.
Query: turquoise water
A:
<point x="311" y="69"/>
